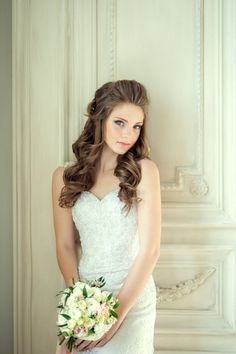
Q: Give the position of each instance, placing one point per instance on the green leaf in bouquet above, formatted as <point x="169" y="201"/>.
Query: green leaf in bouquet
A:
<point x="70" y="343"/>
<point x="66" y="298"/>
<point x="62" y="325"/>
<point x="113" y="313"/>
<point x="102" y="279"/>
<point x="60" y="307"/>
<point x="66" y="292"/>
<point x="67" y="317"/>
<point x="85" y="293"/>
<point x="99" y="283"/>
<point x="91" y="331"/>
<point x="116" y="305"/>
<point x="109" y="296"/>
<point x="60" y="292"/>
<point x="62" y="340"/>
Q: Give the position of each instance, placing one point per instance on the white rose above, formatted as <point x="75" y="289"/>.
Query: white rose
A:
<point x="78" y="292"/>
<point x="74" y="313"/>
<point x="97" y="294"/>
<point x="99" y="328"/>
<point x="90" y="322"/>
<point x="71" y="324"/>
<point x="81" y="304"/>
<point x="105" y="295"/>
<point x="92" y="305"/>
<point x="71" y="300"/>
<point x="82" y="285"/>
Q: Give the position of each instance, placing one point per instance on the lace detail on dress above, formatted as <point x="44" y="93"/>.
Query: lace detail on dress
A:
<point x="109" y="244"/>
<point x="109" y="239"/>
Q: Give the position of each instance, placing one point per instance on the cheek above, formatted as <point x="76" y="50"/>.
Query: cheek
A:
<point x="113" y="132"/>
<point x="136" y="135"/>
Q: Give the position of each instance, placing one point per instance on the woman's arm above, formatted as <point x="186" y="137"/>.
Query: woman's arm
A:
<point x="66" y="246"/>
<point x="149" y="230"/>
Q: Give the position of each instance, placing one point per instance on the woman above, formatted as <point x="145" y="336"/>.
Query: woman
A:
<point x="111" y="194"/>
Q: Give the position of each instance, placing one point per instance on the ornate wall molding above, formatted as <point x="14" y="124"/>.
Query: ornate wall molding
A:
<point x="206" y="296"/>
<point x="196" y="169"/>
<point x="183" y="288"/>
<point x="198" y="187"/>
<point x="209" y="198"/>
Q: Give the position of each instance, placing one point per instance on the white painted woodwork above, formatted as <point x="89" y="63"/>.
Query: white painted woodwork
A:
<point x="184" y="52"/>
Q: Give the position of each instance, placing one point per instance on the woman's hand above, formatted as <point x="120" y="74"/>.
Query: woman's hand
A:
<point x="84" y="344"/>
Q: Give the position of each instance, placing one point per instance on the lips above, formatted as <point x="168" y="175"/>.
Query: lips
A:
<point x="125" y="144"/>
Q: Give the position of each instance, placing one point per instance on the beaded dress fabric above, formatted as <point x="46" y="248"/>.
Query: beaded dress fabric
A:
<point x="109" y="243"/>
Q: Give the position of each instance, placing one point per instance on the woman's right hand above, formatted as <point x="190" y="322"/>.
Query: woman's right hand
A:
<point x="64" y="350"/>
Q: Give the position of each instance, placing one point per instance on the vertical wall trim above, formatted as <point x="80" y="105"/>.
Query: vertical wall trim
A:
<point x="22" y="252"/>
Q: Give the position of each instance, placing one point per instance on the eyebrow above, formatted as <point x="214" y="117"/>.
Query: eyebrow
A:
<point x="126" y="120"/>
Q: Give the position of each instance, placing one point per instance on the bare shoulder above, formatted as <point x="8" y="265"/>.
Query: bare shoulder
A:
<point x="150" y="176"/>
<point x="58" y="172"/>
<point x="148" y="168"/>
<point x="148" y="164"/>
<point x="57" y="175"/>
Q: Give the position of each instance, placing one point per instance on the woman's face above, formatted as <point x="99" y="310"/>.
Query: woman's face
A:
<point x="123" y="125"/>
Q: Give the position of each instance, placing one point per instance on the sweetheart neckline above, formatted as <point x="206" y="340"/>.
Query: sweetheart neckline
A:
<point x="100" y="200"/>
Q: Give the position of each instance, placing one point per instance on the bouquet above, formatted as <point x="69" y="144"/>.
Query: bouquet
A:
<point x="85" y="312"/>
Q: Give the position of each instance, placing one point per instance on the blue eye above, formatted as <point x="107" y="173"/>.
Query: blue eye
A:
<point x="119" y="121"/>
<point x="122" y="123"/>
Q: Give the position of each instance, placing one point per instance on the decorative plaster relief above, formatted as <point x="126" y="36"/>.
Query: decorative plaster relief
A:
<point x="183" y="288"/>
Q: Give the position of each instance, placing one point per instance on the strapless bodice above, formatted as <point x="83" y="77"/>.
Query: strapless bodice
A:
<point x="109" y="237"/>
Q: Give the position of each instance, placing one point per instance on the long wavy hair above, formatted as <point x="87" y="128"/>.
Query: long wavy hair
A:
<point x="88" y="147"/>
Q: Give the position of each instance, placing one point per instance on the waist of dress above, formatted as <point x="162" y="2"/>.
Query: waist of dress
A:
<point x="104" y="270"/>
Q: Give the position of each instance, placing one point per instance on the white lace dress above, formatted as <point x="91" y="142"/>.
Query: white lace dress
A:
<point x="109" y="242"/>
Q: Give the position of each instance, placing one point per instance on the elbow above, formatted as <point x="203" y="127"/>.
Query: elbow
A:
<point x="155" y="254"/>
<point x="63" y="247"/>
<point x="154" y="251"/>
<point x="150" y="254"/>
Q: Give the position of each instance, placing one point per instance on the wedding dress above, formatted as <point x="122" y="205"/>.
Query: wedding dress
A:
<point x="109" y="242"/>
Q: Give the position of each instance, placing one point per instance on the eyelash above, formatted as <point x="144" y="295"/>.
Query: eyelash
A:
<point x="120" y="121"/>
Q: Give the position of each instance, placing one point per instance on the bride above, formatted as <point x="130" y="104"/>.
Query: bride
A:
<point x="111" y="195"/>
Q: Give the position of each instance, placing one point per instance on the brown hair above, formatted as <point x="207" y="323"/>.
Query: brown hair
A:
<point x="88" y="147"/>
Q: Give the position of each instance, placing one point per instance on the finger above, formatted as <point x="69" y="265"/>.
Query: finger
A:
<point x="102" y="342"/>
<point x="82" y="345"/>
<point x="89" y="345"/>
<point x="79" y="341"/>
<point x="105" y="340"/>
<point x="94" y="343"/>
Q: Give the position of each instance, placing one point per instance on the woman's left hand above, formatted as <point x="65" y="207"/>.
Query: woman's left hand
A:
<point x="83" y="345"/>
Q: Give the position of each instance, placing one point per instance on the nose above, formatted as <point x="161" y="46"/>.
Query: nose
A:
<point x="127" y="132"/>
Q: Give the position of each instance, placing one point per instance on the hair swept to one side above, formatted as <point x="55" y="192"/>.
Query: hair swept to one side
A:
<point x="88" y="147"/>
